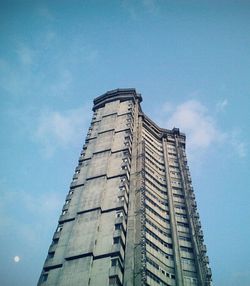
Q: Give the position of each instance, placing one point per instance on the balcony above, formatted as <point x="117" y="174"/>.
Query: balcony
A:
<point x="203" y="248"/>
<point x="192" y="196"/>
<point x="198" y="224"/>
<point x="206" y="259"/>
<point x="52" y="247"/>
<point x="194" y="204"/>
<point x="209" y="272"/>
<point x="73" y="184"/>
<point x="200" y="234"/>
<point x="119" y="220"/>
<point x="196" y="215"/>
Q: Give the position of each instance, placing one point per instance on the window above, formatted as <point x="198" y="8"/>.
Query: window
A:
<point x="116" y="262"/>
<point x="180" y="207"/>
<point x="123" y="179"/>
<point x="188" y="261"/>
<point x="59" y="228"/>
<point x="166" y="255"/>
<point x="119" y="214"/>
<point x="114" y="280"/>
<point x="186" y="249"/>
<point x="183" y="224"/>
<point x="184" y="238"/>
<point x="116" y="240"/>
<point x="181" y="216"/>
<point x="169" y="245"/>
<point x="157" y="228"/>
<point x="55" y="240"/>
<point x="124" y="167"/>
<point x="153" y="263"/>
<point x="51" y="254"/>
<point x="157" y="214"/>
<point x="190" y="281"/>
<point x="122" y="188"/>
<point x="44" y="277"/>
<point x="156" y="278"/>
<point x="118" y="226"/>
<point x="120" y="199"/>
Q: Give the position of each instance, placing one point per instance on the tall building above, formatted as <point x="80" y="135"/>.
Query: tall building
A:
<point x="130" y="216"/>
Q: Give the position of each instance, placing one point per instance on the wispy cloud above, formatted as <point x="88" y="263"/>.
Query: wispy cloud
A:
<point x="44" y="66"/>
<point x="238" y="144"/>
<point x="25" y="54"/>
<point x="151" y="6"/>
<point x="34" y="204"/>
<point x="46" y="13"/>
<point x="62" y="83"/>
<point x="221" y="105"/>
<point x="136" y="8"/>
<point x="60" y="129"/>
<point x="29" y="225"/>
<point x="243" y="277"/>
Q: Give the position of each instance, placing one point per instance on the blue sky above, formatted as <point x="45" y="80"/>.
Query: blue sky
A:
<point x="189" y="60"/>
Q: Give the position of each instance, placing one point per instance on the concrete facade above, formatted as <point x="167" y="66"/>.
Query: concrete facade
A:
<point x="130" y="216"/>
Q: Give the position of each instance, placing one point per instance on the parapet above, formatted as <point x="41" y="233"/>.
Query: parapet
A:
<point x="122" y="94"/>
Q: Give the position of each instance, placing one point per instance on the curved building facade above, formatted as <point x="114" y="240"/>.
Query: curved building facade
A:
<point x="130" y="216"/>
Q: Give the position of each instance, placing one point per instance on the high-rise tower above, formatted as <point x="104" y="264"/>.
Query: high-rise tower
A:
<point x="130" y="216"/>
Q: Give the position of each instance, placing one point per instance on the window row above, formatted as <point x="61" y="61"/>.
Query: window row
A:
<point x="154" y="180"/>
<point x="149" y="221"/>
<point x="156" y="279"/>
<point x="154" y="158"/>
<point x="154" y="186"/>
<point x="157" y="214"/>
<point x="156" y="266"/>
<point x="156" y="237"/>
<point x="151" y="148"/>
<point x="158" y="177"/>
<point x="156" y="248"/>
<point x="161" y="201"/>
<point x="155" y="204"/>
<point x="152" y="139"/>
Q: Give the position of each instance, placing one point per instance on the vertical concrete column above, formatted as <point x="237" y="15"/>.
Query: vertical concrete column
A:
<point x="189" y="213"/>
<point x="173" y="224"/>
<point x="130" y="250"/>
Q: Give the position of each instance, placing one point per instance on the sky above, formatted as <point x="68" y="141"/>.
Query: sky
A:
<point x="189" y="60"/>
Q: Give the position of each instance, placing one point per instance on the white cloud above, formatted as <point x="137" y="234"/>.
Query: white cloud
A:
<point x="61" y="129"/>
<point x="192" y="118"/>
<point x="201" y="128"/>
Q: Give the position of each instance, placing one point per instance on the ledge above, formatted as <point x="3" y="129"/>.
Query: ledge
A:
<point x="116" y="94"/>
